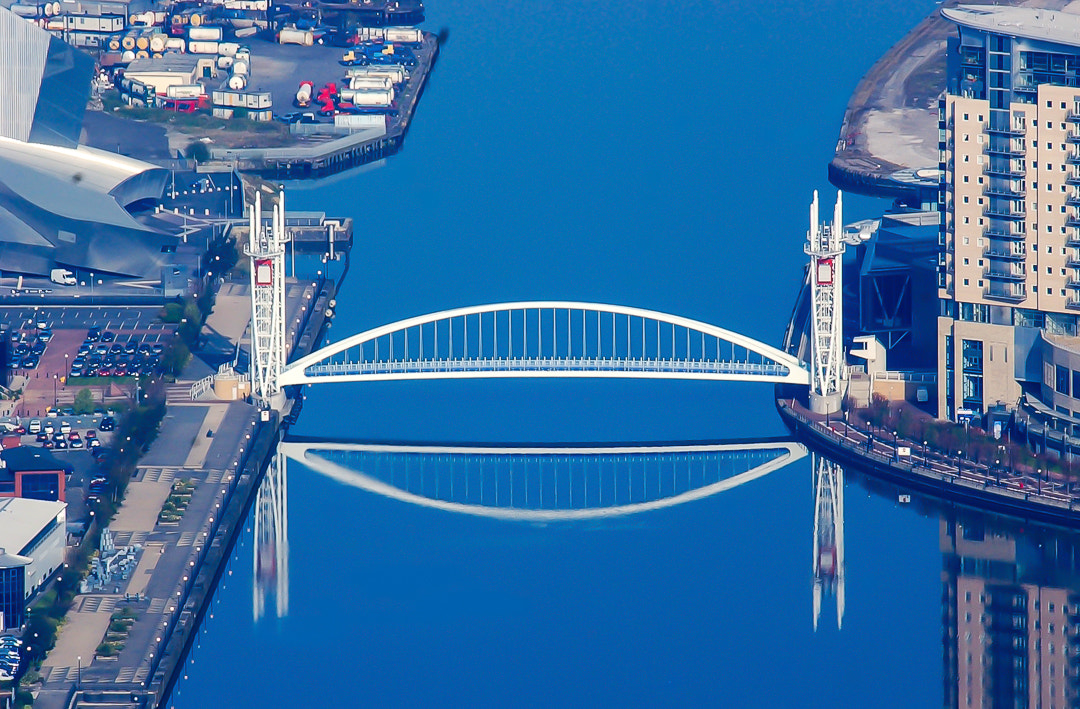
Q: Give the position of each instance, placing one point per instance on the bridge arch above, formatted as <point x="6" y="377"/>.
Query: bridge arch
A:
<point x="546" y="339"/>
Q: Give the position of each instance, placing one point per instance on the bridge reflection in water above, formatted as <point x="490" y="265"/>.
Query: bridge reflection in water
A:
<point x="542" y="485"/>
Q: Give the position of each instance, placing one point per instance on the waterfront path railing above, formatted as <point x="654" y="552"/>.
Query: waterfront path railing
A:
<point x="933" y="470"/>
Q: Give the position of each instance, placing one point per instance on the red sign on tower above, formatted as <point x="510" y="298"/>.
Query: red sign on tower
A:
<point x="264" y="272"/>
<point x="824" y="275"/>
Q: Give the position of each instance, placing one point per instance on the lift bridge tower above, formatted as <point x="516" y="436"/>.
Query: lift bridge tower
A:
<point x="825" y="246"/>
<point x="266" y="249"/>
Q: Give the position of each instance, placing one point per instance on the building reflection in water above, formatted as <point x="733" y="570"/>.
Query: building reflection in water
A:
<point x="1011" y="599"/>
<point x="828" y="535"/>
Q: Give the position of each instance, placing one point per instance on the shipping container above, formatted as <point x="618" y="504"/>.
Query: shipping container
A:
<point x="202" y="47"/>
<point x="220" y="112"/>
<point x="247" y="32"/>
<point x="184" y="91"/>
<point x="344" y="120"/>
<point x="210" y="34"/>
<point x="260" y="100"/>
<point x="406" y="35"/>
<point x="295" y="36"/>
<point x="175" y="44"/>
<point x="228" y="49"/>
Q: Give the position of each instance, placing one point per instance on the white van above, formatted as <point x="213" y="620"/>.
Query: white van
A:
<point x="34" y="427"/>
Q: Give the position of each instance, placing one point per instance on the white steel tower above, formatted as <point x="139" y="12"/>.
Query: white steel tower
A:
<point x="828" y="535"/>
<point x="271" y="556"/>
<point x="266" y="249"/>
<point x="825" y="246"/>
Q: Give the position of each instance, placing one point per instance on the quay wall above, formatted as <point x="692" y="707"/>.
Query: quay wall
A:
<point x="985" y="495"/>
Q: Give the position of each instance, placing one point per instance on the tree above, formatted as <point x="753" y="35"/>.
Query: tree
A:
<point x="84" y="402"/>
<point x="198" y="151"/>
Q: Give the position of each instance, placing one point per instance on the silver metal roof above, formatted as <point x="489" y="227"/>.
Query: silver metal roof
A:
<point x="1029" y="23"/>
<point x="21" y="520"/>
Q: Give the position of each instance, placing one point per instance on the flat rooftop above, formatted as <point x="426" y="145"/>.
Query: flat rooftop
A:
<point x="1029" y="23"/>
<point x="21" y="520"/>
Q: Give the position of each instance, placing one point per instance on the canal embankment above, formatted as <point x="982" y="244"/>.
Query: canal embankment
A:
<point x="997" y="487"/>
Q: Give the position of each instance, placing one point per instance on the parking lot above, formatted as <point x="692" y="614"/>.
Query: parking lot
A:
<point x="54" y="348"/>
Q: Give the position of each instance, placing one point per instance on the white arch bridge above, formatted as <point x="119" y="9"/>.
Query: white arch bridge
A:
<point x="546" y="339"/>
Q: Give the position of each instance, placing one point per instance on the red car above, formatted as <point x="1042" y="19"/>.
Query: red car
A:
<point x="73" y="436"/>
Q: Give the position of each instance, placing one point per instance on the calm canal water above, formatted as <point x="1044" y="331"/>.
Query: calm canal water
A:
<point x="652" y="154"/>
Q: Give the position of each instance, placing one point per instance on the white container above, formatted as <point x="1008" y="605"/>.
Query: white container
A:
<point x="224" y="62"/>
<point x="222" y="112"/>
<point x="184" y="91"/>
<point x="406" y="35"/>
<point x="228" y="49"/>
<point x="157" y="43"/>
<point x="210" y="34"/>
<point x="396" y="73"/>
<point x="294" y="36"/>
<point x="372" y="97"/>
<point x="247" y="32"/>
<point x="143" y="18"/>
<point x="128" y="56"/>
<point x="175" y="44"/>
<point x="370" y="82"/>
<point x="237" y="82"/>
<point x="202" y="47"/>
<point x="239" y="67"/>
<point x="30" y="10"/>
<point x="343" y="120"/>
<point x="350" y="95"/>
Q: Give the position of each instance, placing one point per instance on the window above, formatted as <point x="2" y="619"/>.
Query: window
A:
<point x="965" y="199"/>
<point x="966" y="262"/>
<point x="965" y="116"/>
<point x="965" y="137"/>
<point x="965" y="178"/>
<point x="1049" y="145"/>
<point x="967" y="282"/>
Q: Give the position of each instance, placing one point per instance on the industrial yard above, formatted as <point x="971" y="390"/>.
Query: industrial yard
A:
<point x="324" y="86"/>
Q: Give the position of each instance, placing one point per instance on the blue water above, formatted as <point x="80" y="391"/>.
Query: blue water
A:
<point x="652" y="154"/>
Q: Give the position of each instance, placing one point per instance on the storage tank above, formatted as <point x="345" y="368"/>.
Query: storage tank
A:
<point x="372" y="97"/>
<point x="175" y="44"/>
<point x="157" y="43"/>
<point x="224" y="62"/>
<point x="142" y="54"/>
<point x="56" y="8"/>
<point x="407" y="35"/>
<point x="128" y="42"/>
<point x="396" y="73"/>
<point x="370" y="82"/>
<point x="202" y="47"/>
<point x="114" y="44"/>
<point x="243" y="55"/>
<point x="239" y="67"/>
<point x="196" y="19"/>
<point x="128" y="56"/>
<point x="237" y="82"/>
<point x="142" y="42"/>
<point x="303" y="94"/>
<point x="143" y="18"/>
<point x="211" y="34"/>
<point x="295" y="36"/>
<point x="228" y="49"/>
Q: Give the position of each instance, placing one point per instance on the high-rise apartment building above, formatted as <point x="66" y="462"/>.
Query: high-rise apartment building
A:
<point x="1009" y="258"/>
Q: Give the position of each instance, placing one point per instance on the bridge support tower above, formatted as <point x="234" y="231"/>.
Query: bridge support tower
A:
<point x="828" y="535"/>
<point x="266" y="249"/>
<point x="825" y="246"/>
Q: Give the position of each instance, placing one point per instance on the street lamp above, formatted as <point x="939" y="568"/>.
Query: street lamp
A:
<point x="959" y="462"/>
<point x="78" y="682"/>
<point x="67" y="368"/>
<point x="55" y="401"/>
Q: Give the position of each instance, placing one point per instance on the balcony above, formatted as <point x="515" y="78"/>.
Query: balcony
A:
<point x="1012" y="152"/>
<point x="1072" y="180"/>
<point x="1008" y="235"/>
<point x="1073" y="159"/>
<point x="1073" y="117"/>
<point x="1011" y="131"/>
<point x="1011" y="275"/>
<point x="1073" y="200"/>
<point x="1072" y="138"/>
<point x="1073" y="283"/>
<point x="1073" y="221"/>
<point x="1014" y="294"/>
<point x="1009" y="214"/>
<point x="1072" y="262"/>
<point x="1003" y="255"/>
<point x="1003" y="172"/>
<point x="1073" y="303"/>
<point x="1005" y="192"/>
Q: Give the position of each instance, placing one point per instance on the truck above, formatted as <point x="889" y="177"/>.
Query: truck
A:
<point x="62" y="276"/>
<point x="303" y="94"/>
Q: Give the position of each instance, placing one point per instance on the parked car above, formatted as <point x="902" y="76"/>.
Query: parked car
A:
<point x="108" y="423"/>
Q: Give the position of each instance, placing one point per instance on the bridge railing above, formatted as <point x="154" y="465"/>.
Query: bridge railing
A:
<point x="545" y="363"/>
<point x="547" y="335"/>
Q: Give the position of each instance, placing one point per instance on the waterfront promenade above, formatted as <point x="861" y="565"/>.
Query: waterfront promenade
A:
<point x="999" y="486"/>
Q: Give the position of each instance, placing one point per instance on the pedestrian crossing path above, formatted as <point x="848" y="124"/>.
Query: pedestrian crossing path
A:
<point x="98" y="604"/>
<point x="157" y="606"/>
<point x="123" y="539"/>
<point x="159" y="474"/>
<point x="186" y="539"/>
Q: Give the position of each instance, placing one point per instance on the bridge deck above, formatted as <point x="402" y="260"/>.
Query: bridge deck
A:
<point x="541" y="364"/>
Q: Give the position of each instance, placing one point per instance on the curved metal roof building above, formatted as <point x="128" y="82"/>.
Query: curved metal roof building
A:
<point x="62" y="203"/>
